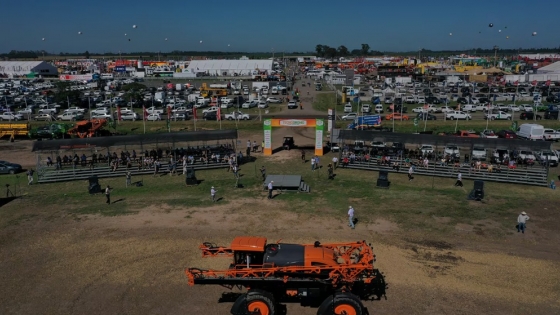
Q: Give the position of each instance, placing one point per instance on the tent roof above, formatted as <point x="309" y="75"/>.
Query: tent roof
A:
<point x="103" y="142"/>
<point x="227" y="64"/>
<point x="553" y="67"/>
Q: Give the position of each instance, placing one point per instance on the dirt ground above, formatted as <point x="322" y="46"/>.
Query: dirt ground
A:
<point x="53" y="263"/>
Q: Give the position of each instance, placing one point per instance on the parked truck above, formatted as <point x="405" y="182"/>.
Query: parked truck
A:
<point x="334" y="277"/>
<point x="365" y="122"/>
<point x="237" y="116"/>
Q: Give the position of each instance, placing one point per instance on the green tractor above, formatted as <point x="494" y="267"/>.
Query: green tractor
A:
<point x="50" y="131"/>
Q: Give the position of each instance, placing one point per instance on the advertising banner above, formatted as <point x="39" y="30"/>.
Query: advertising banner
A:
<point x="330" y="119"/>
<point x="267" y="150"/>
<point x="73" y="77"/>
<point x="319" y="127"/>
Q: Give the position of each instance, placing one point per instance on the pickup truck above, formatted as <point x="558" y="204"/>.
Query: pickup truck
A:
<point x="154" y="110"/>
<point x="497" y="115"/>
<point x="551" y="135"/>
<point x="237" y="116"/>
<point x="466" y="134"/>
<point x="71" y="116"/>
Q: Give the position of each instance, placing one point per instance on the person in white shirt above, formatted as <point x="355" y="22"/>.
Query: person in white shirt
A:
<point x="459" y="181"/>
<point x="335" y="162"/>
<point x="410" y="172"/>
<point x="351" y="217"/>
<point x="270" y="187"/>
<point x="313" y="163"/>
<point x="521" y="222"/>
<point x="213" y="194"/>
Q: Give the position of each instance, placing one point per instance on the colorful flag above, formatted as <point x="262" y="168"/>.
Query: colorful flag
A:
<point x="548" y="83"/>
<point x="516" y="83"/>
<point x="145" y="112"/>
<point x="219" y="116"/>
<point x="194" y="112"/>
<point x="118" y="113"/>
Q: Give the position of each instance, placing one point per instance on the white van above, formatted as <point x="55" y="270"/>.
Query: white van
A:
<point x="469" y="108"/>
<point x="366" y="108"/>
<point x="531" y="132"/>
<point x="379" y="108"/>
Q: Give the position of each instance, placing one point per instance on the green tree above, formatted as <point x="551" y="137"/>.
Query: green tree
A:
<point x="343" y="51"/>
<point x="86" y="54"/>
<point x="330" y="52"/>
<point x="365" y="49"/>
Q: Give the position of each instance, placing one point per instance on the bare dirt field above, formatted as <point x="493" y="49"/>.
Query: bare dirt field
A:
<point x="54" y="261"/>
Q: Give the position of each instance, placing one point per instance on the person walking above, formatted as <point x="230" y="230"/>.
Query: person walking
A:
<point x="263" y="173"/>
<point x="410" y="172"/>
<point x="330" y="170"/>
<point x="335" y="162"/>
<point x="213" y="194"/>
<point x="521" y="222"/>
<point x="351" y="217"/>
<point x="108" y="194"/>
<point x="128" y="178"/>
<point x="459" y="181"/>
<point x="30" y="173"/>
<point x="270" y="187"/>
<point x="235" y="171"/>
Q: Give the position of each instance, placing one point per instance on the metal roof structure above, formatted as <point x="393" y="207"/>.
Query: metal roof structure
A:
<point x="105" y="142"/>
<point x="231" y="66"/>
<point x="19" y="68"/>
<point x="441" y="141"/>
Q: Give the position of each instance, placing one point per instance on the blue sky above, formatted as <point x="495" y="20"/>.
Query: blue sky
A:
<point x="286" y="25"/>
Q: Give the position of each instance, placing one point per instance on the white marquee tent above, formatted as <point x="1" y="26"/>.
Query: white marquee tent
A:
<point x="21" y="68"/>
<point x="230" y="67"/>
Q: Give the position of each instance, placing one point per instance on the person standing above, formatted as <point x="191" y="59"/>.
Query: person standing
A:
<point x="313" y="163"/>
<point x="410" y="172"/>
<point x="108" y="194"/>
<point x="213" y="194"/>
<point x="335" y="162"/>
<point x="235" y="171"/>
<point x="303" y="156"/>
<point x="248" y="148"/>
<point x="263" y="173"/>
<point x="255" y="146"/>
<point x="330" y="170"/>
<point x="128" y="178"/>
<point x="351" y="217"/>
<point x="459" y="180"/>
<point x="270" y="187"/>
<point x="262" y="146"/>
<point x="30" y="173"/>
<point x="521" y="222"/>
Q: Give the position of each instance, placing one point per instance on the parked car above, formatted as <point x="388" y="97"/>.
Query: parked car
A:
<point x="529" y="116"/>
<point x="9" y="168"/>
<point x="293" y="104"/>
<point x="478" y="153"/>
<point x="506" y="134"/>
<point x="396" y="116"/>
<point x="180" y="116"/>
<point x="129" y="116"/>
<point x="71" y="116"/>
<point x="153" y="117"/>
<point x="273" y="100"/>
<point x="488" y="133"/>
<point x="10" y="116"/>
<point x="263" y="104"/>
<point x="426" y="116"/>
<point x="210" y="116"/>
<point x="501" y="115"/>
<point x="451" y="149"/>
<point x="427" y="149"/>
<point x="350" y="116"/>
<point x="44" y="117"/>
<point x="551" y="135"/>
<point x="378" y="144"/>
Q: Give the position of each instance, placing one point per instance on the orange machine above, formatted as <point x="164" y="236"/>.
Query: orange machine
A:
<point x="333" y="277"/>
<point x="87" y="128"/>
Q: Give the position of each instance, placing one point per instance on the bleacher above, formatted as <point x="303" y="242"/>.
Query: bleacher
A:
<point x="536" y="175"/>
<point x="70" y="173"/>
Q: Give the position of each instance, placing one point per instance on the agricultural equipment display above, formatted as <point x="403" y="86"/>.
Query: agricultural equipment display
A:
<point x="334" y="277"/>
<point x="13" y="130"/>
<point x="87" y="128"/>
<point x="51" y="131"/>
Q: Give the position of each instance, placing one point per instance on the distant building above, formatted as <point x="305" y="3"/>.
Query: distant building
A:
<point x="229" y="67"/>
<point x="12" y="69"/>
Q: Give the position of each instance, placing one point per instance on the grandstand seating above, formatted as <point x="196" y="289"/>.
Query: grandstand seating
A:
<point x="536" y="175"/>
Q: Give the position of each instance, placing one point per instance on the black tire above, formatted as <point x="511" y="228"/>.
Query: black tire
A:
<point x="342" y="303"/>
<point x="12" y="172"/>
<point x="254" y="302"/>
<point x="492" y="118"/>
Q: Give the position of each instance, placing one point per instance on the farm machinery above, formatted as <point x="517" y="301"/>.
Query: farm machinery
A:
<point x="333" y="277"/>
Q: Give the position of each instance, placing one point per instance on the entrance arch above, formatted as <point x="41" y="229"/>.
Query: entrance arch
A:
<point x="318" y="124"/>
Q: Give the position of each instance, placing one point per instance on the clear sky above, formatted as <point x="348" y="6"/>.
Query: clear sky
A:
<point x="264" y="26"/>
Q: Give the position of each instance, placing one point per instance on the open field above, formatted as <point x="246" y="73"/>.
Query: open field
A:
<point x="66" y="252"/>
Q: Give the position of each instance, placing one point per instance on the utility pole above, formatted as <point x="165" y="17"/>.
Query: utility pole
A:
<point x="495" y="53"/>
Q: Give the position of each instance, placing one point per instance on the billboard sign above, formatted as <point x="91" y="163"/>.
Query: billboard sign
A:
<point x="75" y="77"/>
<point x="120" y="68"/>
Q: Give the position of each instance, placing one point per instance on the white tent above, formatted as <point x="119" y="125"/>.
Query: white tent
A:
<point x="21" y="68"/>
<point x="230" y="67"/>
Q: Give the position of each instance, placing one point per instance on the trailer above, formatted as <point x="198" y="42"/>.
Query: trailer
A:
<point x="333" y="277"/>
<point x="14" y="130"/>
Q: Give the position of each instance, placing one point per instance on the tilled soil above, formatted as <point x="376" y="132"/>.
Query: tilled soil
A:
<point x="135" y="264"/>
